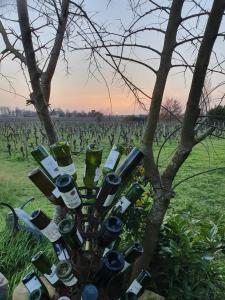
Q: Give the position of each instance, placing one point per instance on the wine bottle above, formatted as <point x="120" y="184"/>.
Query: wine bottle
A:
<point x="139" y="284"/>
<point x="70" y="234"/>
<point x="131" y="254"/>
<point x="67" y="187"/>
<point x="125" y="202"/>
<point x="91" y="166"/>
<point x="109" y="231"/>
<point x="46" y="186"/>
<point x="111" y="264"/>
<point x="129" y="296"/>
<point x="43" y="265"/>
<point x="113" y="159"/>
<point x="62" y="154"/>
<point x="32" y="283"/>
<point x="47" y="226"/>
<point x="39" y="294"/>
<point x="108" y="190"/>
<point x="129" y="164"/>
<point x="89" y="292"/>
<point x="46" y="161"/>
<point x="64" y="271"/>
<point x="60" y="249"/>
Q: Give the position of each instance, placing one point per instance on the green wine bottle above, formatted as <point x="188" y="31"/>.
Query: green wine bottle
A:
<point x="91" y="167"/>
<point x="43" y="265"/>
<point x="46" y="186"/>
<point x="64" y="271"/>
<point x="129" y="164"/>
<point x="70" y="234"/>
<point x="113" y="159"/>
<point x="125" y="202"/>
<point x="62" y="154"/>
<point x="46" y="161"/>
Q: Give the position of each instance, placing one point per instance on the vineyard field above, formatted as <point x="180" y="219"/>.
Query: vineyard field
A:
<point x="198" y="203"/>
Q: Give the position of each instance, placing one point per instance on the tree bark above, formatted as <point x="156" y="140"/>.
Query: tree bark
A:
<point x="162" y="189"/>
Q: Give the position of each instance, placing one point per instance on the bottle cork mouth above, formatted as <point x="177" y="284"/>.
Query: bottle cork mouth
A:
<point x="113" y="179"/>
<point x="138" y="247"/>
<point x="114" y="224"/>
<point x="65" y="225"/>
<point x="63" y="269"/>
<point x="94" y="147"/>
<point x="114" y="260"/>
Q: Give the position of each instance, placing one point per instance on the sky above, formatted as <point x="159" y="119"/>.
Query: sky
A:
<point x="77" y="91"/>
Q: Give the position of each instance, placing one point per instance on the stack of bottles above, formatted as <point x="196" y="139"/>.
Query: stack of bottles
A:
<point x="86" y="241"/>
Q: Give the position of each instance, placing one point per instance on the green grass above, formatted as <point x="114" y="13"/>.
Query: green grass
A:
<point x="199" y="202"/>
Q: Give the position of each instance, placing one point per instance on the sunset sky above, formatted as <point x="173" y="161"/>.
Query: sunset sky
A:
<point x="77" y="91"/>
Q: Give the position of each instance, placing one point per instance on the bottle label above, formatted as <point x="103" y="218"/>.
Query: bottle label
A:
<point x="135" y="287"/>
<point x="111" y="160"/>
<point x="126" y="265"/>
<point x="109" y="200"/>
<point x="70" y="281"/>
<point x="61" y="252"/>
<point x="97" y="174"/>
<point x="70" y="169"/>
<point x="51" y="232"/>
<point x="33" y="284"/>
<point x="52" y="278"/>
<point x="79" y="237"/>
<point x="123" y="204"/>
<point x="71" y="198"/>
<point x="105" y="251"/>
<point x="56" y="193"/>
<point x="51" y="166"/>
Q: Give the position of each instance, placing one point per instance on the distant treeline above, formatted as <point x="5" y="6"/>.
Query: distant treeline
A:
<point x="6" y="111"/>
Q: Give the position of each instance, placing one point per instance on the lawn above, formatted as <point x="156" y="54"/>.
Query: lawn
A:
<point x="198" y="206"/>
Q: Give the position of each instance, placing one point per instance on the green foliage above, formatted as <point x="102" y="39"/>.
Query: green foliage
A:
<point x="216" y="114"/>
<point x="186" y="262"/>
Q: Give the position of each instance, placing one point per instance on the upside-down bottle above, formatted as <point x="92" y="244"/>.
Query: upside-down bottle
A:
<point x="125" y="202"/>
<point x="46" y="161"/>
<point x="113" y="159"/>
<point x="89" y="292"/>
<point x="65" y="272"/>
<point x="110" y="231"/>
<point x="62" y="154"/>
<point x="43" y="265"/>
<point x="46" y="186"/>
<point x="139" y="284"/>
<point x="129" y="164"/>
<point x="91" y="167"/>
<point x="67" y="187"/>
<point x="131" y="254"/>
<point x="108" y="190"/>
<point x="70" y="234"/>
<point x="111" y="264"/>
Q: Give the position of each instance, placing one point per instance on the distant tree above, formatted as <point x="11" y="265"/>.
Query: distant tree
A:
<point x="216" y="115"/>
<point x="170" y="109"/>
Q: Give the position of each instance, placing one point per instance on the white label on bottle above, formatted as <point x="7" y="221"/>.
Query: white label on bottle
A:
<point x="105" y="251"/>
<point x="109" y="200"/>
<point x="71" y="198"/>
<point x="84" y="210"/>
<point x="52" y="278"/>
<point x="97" y="174"/>
<point x="135" y="287"/>
<point x="70" y="169"/>
<point x="70" y="281"/>
<point x="51" y="232"/>
<point x="85" y="168"/>
<point x="33" y="284"/>
<point x="56" y="192"/>
<point x="51" y="166"/>
<point x="80" y="237"/>
<point x="123" y="204"/>
<point x="126" y="265"/>
<point x="111" y="160"/>
<point x="63" y="255"/>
